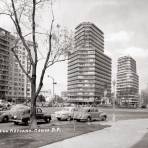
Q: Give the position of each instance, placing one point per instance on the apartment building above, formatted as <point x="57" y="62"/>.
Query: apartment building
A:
<point x="89" y="69"/>
<point x="14" y="84"/>
<point x="127" y="82"/>
<point x="4" y="62"/>
<point x="19" y="84"/>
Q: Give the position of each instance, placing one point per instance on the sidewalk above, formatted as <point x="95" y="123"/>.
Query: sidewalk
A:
<point x="121" y="134"/>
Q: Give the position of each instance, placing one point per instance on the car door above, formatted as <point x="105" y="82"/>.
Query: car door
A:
<point x="92" y="113"/>
<point x="39" y="113"/>
<point x="74" y="112"/>
<point x="99" y="114"/>
<point x="96" y="113"/>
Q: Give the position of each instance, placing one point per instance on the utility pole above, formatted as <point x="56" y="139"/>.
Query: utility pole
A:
<point x="53" y="82"/>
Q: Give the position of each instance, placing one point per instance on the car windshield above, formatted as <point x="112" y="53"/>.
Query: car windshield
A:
<point x="84" y="109"/>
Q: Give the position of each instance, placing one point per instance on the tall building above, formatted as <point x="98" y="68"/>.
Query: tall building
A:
<point x="127" y="82"/>
<point x="89" y="69"/>
<point x="19" y="84"/>
<point x="4" y="62"/>
<point x="13" y="82"/>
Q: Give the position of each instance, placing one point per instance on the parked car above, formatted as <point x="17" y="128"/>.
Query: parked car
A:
<point x="23" y="116"/>
<point x="3" y="107"/>
<point x="143" y="106"/>
<point x="67" y="113"/>
<point x="6" y="115"/>
<point x="90" y="113"/>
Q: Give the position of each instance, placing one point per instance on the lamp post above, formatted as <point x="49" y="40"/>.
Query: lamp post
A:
<point x="53" y="84"/>
<point x="114" y="97"/>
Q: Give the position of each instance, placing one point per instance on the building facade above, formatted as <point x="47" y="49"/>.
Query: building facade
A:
<point x="144" y="97"/>
<point x="64" y="95"/>
<point x="14" y="84"/>
<point x="89" y="69"/>
<point x="19" y="84"/>
<point x="127" y="82"/>
<point x="4" y="62"/>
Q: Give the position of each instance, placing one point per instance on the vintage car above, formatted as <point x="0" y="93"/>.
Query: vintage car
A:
<point x="89" y="114"/>
<point x="67" y="113"/>
<point x="23" y="116"/>
<point x="6" y="115"/>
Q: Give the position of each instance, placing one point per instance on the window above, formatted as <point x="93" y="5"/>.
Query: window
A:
<point x="39" y="110"/>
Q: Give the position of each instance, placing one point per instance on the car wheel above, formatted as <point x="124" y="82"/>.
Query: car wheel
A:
<point x="47" y="120"/>
<point x="26" y="122"/>
<point x="59" y="119"/>
<point x="78" y="120"/>
<point x="5" y="119"/>
<point x="16" y="123"/>
<point x="103" y="118"/>
<point x="88" y="119"/>
<point x="69" y="118"/>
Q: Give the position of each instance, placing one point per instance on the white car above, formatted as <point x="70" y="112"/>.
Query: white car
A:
<point x="90" y="113"/>
<point x="67" y="113"/>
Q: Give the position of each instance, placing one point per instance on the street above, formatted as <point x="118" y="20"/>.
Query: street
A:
<point x="120" y="114"/>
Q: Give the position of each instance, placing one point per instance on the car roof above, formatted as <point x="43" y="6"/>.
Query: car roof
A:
<point x="19" y="106"/>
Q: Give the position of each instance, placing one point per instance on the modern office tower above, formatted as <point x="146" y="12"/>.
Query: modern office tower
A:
<point x="4" y="62"/>
<point x="127" y="82"/>
<point x="89" y="69"/>
<point x="19" y="84"/>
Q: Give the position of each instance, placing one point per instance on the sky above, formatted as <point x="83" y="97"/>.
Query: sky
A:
<point x="125" y="28"/>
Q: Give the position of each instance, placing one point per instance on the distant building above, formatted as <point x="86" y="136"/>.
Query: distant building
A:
<point x="64" y="95"/>
<point x="127" y="82"/>
<point x="4" y="62"/>
<point x="144" y="96"/>
<point x="89" y="69"/>
<point x="47" y="94"/>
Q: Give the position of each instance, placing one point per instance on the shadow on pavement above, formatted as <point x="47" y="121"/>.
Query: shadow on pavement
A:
<point x="143" y="143"/>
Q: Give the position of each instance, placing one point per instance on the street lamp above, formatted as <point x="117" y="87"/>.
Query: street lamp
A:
<point x="53" y="84"/>
<point x="114" y="98"/>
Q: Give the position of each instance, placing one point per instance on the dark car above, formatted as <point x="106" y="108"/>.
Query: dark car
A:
<point x="23" y="116"/>
<point x="6" y="115"/>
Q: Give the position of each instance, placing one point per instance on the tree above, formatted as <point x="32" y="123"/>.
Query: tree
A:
<point x="25" y="16"/>
<point x="41" y="98"/>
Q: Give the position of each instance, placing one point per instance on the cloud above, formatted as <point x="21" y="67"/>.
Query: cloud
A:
<point x="136" y="52"/>
<point x="139" y="54"/>
<point x="121" y="36"/>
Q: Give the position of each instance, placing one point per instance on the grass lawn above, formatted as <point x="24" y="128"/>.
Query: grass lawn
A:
<point x="37" y="139"/>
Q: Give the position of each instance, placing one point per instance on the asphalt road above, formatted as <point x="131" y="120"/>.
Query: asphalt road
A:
<point x="120" y="114"/>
